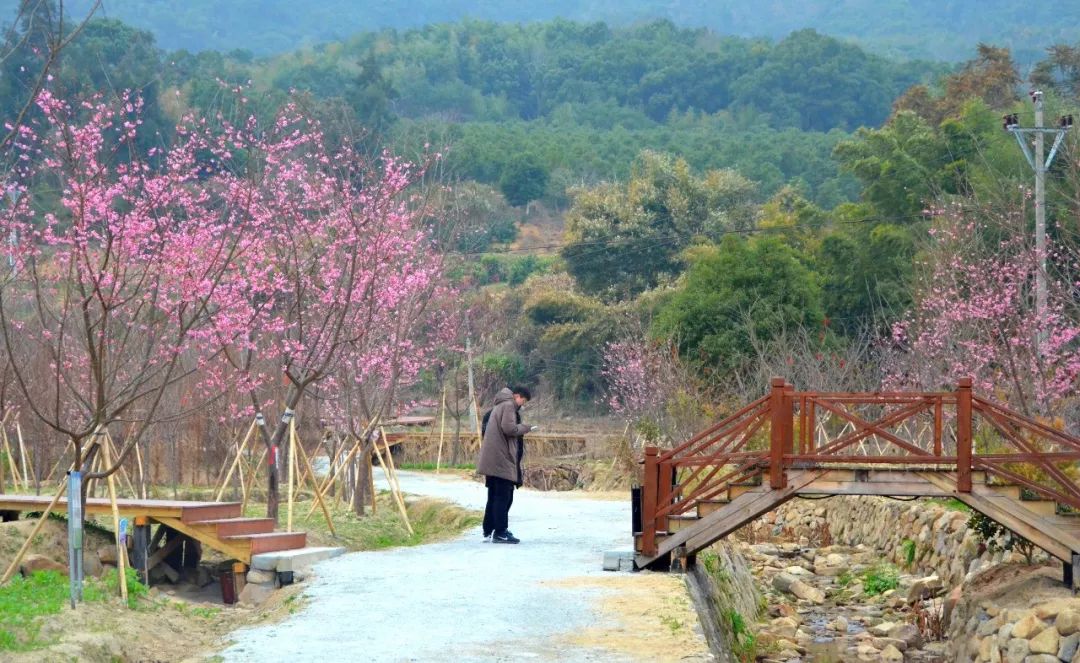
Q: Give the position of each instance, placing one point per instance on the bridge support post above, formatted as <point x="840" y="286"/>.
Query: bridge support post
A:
<point x="649" y="487"/>
<point x="1072" y="573"/>
<point x="963" y="435"/>
<point x="140" y="548"/>
<point x="664" y="485"/>
<point x="779" y="428"/>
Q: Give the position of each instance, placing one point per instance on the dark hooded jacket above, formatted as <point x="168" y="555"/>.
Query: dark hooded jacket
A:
<point x="501" y="451"/>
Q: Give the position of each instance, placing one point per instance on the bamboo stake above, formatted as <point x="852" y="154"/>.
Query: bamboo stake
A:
<point x="59" y="460"/>
<point x="114" y="454"/>
<point x="318" y="497"/>
<point x="393" y="489"/>
<point x="371" y="481"/>
<point x="120" y="570"/>
<point x="330" y="479"/>
<point x="142" y="473"/>
<point x="292" y="469"/>
<point x="243" y="482"/>
<point x="254" y="474"/>
<point x="15" y="481"/>
<point x="22" y="452"/>
<point x="239" y="452"/>
<point x="442" y="431"/>
<point x="33" y="533"/>
<point x="311" y="475"/>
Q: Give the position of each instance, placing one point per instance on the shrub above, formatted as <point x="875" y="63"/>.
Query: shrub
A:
<point x="880" y="579"/>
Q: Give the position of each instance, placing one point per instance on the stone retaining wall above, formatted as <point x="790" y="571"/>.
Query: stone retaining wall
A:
<point x="721" y="582"/>
<point x="999" y="609"/>
<point x="943" y="544"/>
<point x="1027" y="620"/>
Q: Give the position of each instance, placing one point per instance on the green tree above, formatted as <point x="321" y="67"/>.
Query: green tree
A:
<point x="736" y="292"/>
<point x="625" y="239"/>
<point x="900" y="165"/>
<point x="866" y="270"/>
<point x="523" y="180"/>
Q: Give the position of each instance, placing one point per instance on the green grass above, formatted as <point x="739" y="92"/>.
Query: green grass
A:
<point x="671" y="622"/>
<point x="908" y="546"/>
<point x="432" y="520"/>
<point x="950" y="503"/>
<point x="25" y="602"/>
<point x="744" y="643"/>
<point x="880" y="579"/>
<point x="844" y="579"/>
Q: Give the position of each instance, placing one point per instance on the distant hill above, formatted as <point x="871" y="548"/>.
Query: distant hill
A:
<point x="931" y="29"/>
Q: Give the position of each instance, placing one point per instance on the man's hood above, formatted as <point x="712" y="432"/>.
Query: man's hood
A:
<point x="504" y="395"/>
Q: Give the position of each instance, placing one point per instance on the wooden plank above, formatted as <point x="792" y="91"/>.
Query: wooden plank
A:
<point x="1041" y="508"/>
<point x="229" y="547"/>
<point x="1009" y="513"/>
<point x="205" y="511"/>
<point x="890" y="488"/>
<point x="271" y="542"/>
<point x="1075" y="584"/>
<point x="236" y="526"/>
<point x="163" y="552"/>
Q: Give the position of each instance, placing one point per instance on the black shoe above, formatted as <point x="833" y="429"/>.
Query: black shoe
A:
<point x="505" y="537"/>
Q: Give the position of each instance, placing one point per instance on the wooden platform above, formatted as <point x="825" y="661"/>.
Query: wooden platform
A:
<point x="219" y="525"/>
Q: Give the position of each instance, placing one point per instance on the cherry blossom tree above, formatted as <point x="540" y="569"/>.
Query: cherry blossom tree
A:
<point x="120" y="270"/>
<point x="649" y="386"/>
<point x="975" y="315"/>
<point x="346" y="270"/>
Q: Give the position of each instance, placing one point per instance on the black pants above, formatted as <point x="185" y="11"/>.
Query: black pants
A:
<point x="497" y="512"/>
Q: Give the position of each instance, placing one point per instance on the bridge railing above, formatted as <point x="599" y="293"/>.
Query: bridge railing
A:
<point x="951" y="431"/>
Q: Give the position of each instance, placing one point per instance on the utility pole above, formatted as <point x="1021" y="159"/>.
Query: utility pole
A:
<point x="474" y="416"/>
<point x="1040" y="166"/>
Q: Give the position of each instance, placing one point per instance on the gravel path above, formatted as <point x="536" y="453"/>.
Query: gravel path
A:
<point x="461" y="600"/>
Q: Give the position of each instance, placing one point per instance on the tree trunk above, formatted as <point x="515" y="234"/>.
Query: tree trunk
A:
<point x="363" y="495"/>
<point x="273" y="497"/>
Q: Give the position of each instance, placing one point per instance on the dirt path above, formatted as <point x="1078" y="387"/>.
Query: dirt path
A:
<point x="546" y="599"/>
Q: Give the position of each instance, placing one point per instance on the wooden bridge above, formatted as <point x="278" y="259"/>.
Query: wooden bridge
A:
<point x="183" y="528"/>
<point x="1015" y="470"/>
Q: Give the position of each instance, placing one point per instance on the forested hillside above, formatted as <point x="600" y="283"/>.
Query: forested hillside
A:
<point x="578" y="101"/>
<point x="911" y="28"/>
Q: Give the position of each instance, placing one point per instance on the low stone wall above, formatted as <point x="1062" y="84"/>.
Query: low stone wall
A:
<point x="943" y="545"/>
<point x="721" y="585"/>
<point x="1016" y="614"/>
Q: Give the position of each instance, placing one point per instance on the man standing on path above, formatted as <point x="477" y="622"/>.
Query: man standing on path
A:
<point x="500" y="461"/>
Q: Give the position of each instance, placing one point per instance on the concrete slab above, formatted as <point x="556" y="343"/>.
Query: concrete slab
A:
<point x="293" y="560"/>
<point x="619" y="560"/>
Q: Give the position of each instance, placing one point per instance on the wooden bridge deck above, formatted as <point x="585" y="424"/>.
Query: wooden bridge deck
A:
<point x="219" y="525"/>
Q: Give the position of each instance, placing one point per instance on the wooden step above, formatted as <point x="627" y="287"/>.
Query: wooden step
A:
<point x="1012" y="492"/>
<point x="705" y="507"/>
<point x="737" y="490"/>
<point x="660" y="536"/>
<point x="676" y="523"/>
<point x="203" y="512"/>
<point x="224" y="527"/>
<point x="270" y="542"/>
<point x="1041" y="508"/>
